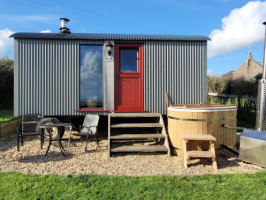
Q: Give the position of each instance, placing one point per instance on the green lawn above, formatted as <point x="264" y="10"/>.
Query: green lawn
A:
<point x="235" y="186"/>
<point x="7" y="115"/>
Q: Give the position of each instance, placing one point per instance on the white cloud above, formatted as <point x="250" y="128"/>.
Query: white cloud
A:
<point x="46" y="31"/>
<point x="91" y="63"/>
<point x="6" y="43"/>
<point x="242" y="27"/>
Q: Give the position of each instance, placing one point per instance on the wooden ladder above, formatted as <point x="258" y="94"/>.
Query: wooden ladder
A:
<point x="126" y="128"/>
<point x="187" y="154"/>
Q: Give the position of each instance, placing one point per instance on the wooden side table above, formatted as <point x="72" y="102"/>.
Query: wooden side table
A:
<point x="187" y="154"/>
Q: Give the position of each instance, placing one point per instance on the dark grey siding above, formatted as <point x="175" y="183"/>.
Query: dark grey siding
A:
<point x="47" y="75"/>
<point x="179" y="68"/>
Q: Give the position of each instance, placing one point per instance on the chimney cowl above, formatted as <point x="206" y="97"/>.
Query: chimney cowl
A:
<point x="64" y="28"/>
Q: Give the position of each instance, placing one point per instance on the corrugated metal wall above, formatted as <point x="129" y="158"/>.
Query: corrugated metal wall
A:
<point x="47" y="75"/>
<point x="179" y="68"/>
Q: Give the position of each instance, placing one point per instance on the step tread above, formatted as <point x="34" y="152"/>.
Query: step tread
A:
<point x="136" y="125"/>
<point x="198" y="137"/>
<point x="137" y="136"/>
<point x="201" y="154"/>
<point x="147" y="148"/>
<point x="133" y="115"/>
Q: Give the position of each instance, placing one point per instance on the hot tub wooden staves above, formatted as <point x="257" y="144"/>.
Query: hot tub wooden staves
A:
<point x="200" y="120"/>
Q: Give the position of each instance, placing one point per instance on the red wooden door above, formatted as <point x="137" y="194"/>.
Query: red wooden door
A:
<point x="129" y="77"/>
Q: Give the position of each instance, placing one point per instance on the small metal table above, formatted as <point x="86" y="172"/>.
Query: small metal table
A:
<point x="61" y="130"/>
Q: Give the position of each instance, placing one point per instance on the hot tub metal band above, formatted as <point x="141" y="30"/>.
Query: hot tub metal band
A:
<point x="203" y="120"/>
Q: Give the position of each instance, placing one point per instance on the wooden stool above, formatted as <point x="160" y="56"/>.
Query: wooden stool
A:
<point x="199" y="154"/>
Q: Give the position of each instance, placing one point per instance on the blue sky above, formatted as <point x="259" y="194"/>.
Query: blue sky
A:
<point x="231" y="24"/>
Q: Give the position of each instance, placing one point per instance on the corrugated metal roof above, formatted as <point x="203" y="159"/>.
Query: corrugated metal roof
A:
<point x="103" y="36"/>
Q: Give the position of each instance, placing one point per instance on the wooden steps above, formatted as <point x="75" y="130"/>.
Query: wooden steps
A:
<point x="150" y="149"/>
<point x="200" y="154"/>
<point x="136" y="125"/>
<point x="136" y="136"/>
<point x="147" y="129"/>
<point x="198" y="137"/>
<point x="187" y="154"/>
<point x="132" y="115"/>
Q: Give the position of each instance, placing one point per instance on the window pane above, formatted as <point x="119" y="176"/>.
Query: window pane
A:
<point x="91" y="76"/>
<point x="129" y="61"/>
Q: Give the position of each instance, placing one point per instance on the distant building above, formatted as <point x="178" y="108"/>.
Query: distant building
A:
<point x="228" y="74"/>
<point x="248" y="70"/>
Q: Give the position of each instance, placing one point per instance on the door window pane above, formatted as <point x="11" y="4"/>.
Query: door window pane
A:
<point x="129" y="60"/>
<point x="91" y="76"/>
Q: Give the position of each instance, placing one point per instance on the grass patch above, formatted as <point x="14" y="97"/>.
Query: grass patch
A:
<point x="234" y="186"/>
<point x="7" y="115"/>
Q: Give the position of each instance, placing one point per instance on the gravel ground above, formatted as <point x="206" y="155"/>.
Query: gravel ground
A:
<point x="95" y="161"/>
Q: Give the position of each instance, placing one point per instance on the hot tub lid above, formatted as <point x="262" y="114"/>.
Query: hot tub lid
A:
<point x="260" y="135"/>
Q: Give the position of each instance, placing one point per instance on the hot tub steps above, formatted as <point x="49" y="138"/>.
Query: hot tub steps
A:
<point x="145" y="129"/>
<point x="187" y="154"/>
<point x="200" y="154"/>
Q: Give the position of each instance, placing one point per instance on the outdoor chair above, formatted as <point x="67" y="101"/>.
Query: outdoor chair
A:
<point x="29" y="127"/>
<point x="88" y="129"/>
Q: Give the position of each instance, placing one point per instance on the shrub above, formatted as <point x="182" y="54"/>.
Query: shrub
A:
<point x="246" y="110"/>
<point x="6" y="82"/>
<point x="217" y="84"/>
<point x="238" y="86"/>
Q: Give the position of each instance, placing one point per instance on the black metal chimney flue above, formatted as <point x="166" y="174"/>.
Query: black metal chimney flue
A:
<point x="261" y="102"/>
<point x="64" y="22"/>
<point x="264" y="58"/>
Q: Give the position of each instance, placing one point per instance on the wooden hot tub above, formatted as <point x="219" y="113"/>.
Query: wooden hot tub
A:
<point x="201" y="119"/>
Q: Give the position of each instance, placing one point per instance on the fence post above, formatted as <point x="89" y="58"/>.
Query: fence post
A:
<point x="238" y="102"/>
